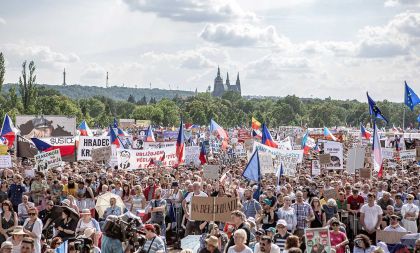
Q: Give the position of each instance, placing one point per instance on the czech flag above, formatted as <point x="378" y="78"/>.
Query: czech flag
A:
<point x="256" y="133"/>
<point x="328" y="134"/>
<point x="255" y="124"/>
<point x="8" y="131"/>
<point x="308" y="143"/>
<point x="115" y="123"/>
<point x="122" y="132"/>
<point x="214" y="127"/>
<point x="66" y="149"/>
<point x="365" y="133"/>
<point x="203" y="153"/>
<point x="84" y="129"/>
<point x="114" y="138"/>
<point x="266" y="137"/>
<point x="150" y="137"/>
<point x="180" y="144"/>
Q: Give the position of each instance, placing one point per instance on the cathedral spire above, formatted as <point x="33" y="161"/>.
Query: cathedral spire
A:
<point x="218" y="71"/>
<point x="238" y="84"/>
<point x="227" y="79"/>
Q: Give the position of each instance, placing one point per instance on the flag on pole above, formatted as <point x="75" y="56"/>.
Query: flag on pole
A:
<point x="114" y="138"/>
<point x="115" y="123"/>
<point x="328" y="134"/>
<point x="214" y="127"/>
<point x="252" y="170"/>
<point x="410" y="97"/>
<point x="365" y="134"/>
<point x="255" y="124"/>
<point x="84" y="129"/>
<point x="8" y="131"/>
<point x="45" y="146"/>
<point x="203" y="153"/>
<point x="150" y="137"/>
<point x="308" y="143"/>
<point x="180" y="144"/>
<point x="377" y="152"/>
<point x="374" y="109"/>
<point x="266" y="137"/>
<point x="279" y="174"/>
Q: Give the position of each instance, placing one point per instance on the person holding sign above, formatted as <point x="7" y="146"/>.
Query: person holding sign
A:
<point x="192" y="225"/>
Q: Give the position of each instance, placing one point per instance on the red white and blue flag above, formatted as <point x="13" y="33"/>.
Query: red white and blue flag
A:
<point x="66" y="145"/>
<point x="308" y="143"/>
<point x="328" y="134"/>
<point x="377" y="152"/>
<point x="266" y="137"/>
<point x="84" y="129"/>
<point x="180" y="144"/>
<point x="150" y="137"/>
<point x="365" y="134"/>
<point x="214" y="127"/>
<point x="114" y="138"/>
<point x="203" y="154"/>
<point x="8" y="131"/>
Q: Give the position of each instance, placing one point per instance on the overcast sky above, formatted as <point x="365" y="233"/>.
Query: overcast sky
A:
<point x="310" y="48"/>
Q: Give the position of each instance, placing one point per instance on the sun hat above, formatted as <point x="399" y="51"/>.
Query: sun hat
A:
<point x="85" y="211"/>
<point x="18" y="230"/>
<point x="213" y="241"/>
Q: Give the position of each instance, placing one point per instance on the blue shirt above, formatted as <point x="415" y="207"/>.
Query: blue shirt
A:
<point x="112" y="211"/>
<point x="15" y="193"/>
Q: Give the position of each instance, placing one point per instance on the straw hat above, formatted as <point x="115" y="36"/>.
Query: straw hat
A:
<point x="7" y="245"/>
<point x="87" y="233"/>
<point x="85" y="211"/>
<point x="18" y="230"/>
<point x="213" y="241"/>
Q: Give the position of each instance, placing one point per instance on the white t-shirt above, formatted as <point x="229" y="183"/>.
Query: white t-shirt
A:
<point x="188" y="199"/>
<point x="246" y="250"/>
<point x="371" y="215"/>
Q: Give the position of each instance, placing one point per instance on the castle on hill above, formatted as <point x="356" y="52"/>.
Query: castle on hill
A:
<point x="220" y="88"/>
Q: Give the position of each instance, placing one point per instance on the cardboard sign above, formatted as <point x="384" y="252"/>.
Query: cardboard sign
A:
<point x="87" y="144"/>
<point x="330" y="194"/>
<point x="365" y="173"/>
<point x="355" y="159"/>
<point x="5" y="161"/>
<point x="211" y="171"/>
<point x="101" y="154"/>
<point x="48" y="160"/>
<point x="266" y="163"/>
<point x="317" y="240"/>
<point x="3" y="149"/>
<point x="389" y="237"/>
<point x="417" y="153"/>
<point x="213" y="208"/>
<point x="324" y="159"/>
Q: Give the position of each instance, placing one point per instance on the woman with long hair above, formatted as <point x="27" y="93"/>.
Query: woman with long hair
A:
<point x="9" y="220"/>
<point x="319" y="214"/>
<point x="126" y="195"/>
<point x="287" y="213"/>
<point x="291" y="242"/>
<point x="362" y="244"/>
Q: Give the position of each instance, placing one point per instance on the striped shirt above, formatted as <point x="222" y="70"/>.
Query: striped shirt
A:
<point x="157" y="245"/>
<point x="281" y="240"/>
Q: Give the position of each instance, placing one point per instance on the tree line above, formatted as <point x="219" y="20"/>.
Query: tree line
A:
<point x="231" y="110"/>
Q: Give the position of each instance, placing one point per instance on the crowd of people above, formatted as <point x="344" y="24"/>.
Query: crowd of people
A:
<point x="43" y="210"/>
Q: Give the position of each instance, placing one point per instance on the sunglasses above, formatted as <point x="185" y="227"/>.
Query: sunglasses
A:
<point x="32" y="214"/>
<point x="409" y="198"/>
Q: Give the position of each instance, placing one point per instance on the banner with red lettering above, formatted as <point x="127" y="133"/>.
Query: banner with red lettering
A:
<point x="132" y="159"/>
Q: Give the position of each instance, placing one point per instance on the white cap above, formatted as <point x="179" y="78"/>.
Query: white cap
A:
<point x="282" y="222"/>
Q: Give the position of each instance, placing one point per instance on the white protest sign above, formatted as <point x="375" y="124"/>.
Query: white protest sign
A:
<point x="387" y="153"/>
<point x="211" y="171"/>
<point x="408" y="155"/>
<point x="285" y="144"/>
<point x="289" y="158"/>
<point x="266" y="163"/>
<point x="48" y="160"/>
<point x="87" y="143"/>
<point x="132" y="159"/>
<point x="335" y="149"/>
<point x="192" y="155"/>
<point x="316" y="168"/>
<point x="355" y="159"/>
<point x="5" y="161"/>
<point x="152" y="145"/>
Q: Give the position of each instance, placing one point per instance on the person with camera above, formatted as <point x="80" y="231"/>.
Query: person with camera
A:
<point x="157" y="210"/>
<point x="154" y="243"/>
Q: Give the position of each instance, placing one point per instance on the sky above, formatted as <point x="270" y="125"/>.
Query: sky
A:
<point x="308" y="48"/>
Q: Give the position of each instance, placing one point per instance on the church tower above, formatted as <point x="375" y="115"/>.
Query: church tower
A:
<point x="238" y="84"/>
<point x="218" y="88"/>
<point x="64" y="77"/>
<point x="227" y="81"/>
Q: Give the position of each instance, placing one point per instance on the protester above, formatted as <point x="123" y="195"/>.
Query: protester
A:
<point x="410" y="213"/>
<point x="371" y="217"/>
<point x="240" y="238"/>
<point x="154" y="243"/>
<point x="33" y="228"/>
<point x="338" y="238"/>
<point x="192" y="225"/>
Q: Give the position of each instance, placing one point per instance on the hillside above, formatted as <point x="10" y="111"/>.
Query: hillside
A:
<point x="116" y="93"/>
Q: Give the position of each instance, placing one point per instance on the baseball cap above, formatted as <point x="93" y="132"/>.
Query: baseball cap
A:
<point x="282" y="222"/>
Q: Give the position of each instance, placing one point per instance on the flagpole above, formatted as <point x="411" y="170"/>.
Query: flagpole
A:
<point x="403" y="124"/>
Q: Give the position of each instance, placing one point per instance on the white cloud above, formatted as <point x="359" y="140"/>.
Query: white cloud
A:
<point x="241" y="35"/>
<point x="193" y="10"/>
<point x="393" y="3"/>
<point x="43" y="56"/>
<point x="94" y="71"/>
<point x="2" y="21"/>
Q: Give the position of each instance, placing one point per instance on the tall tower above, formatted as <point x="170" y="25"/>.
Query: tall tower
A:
<point x="64" y="77"/>
<point x="219" y="87"/>
<point x="238" y="84"/>
<point x="227" y="80"/>
<point x="107" y="79"/>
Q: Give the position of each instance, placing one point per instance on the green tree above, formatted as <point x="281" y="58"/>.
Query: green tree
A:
<point x="27" y="86"/>
<point x="131" y="99"/>
<point x="142" y="101"/>
<point x="2" y="70"/>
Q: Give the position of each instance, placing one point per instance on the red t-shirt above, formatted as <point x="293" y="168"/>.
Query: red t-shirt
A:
<point x="355" y="203"/>
<point x="337" y="239"/>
